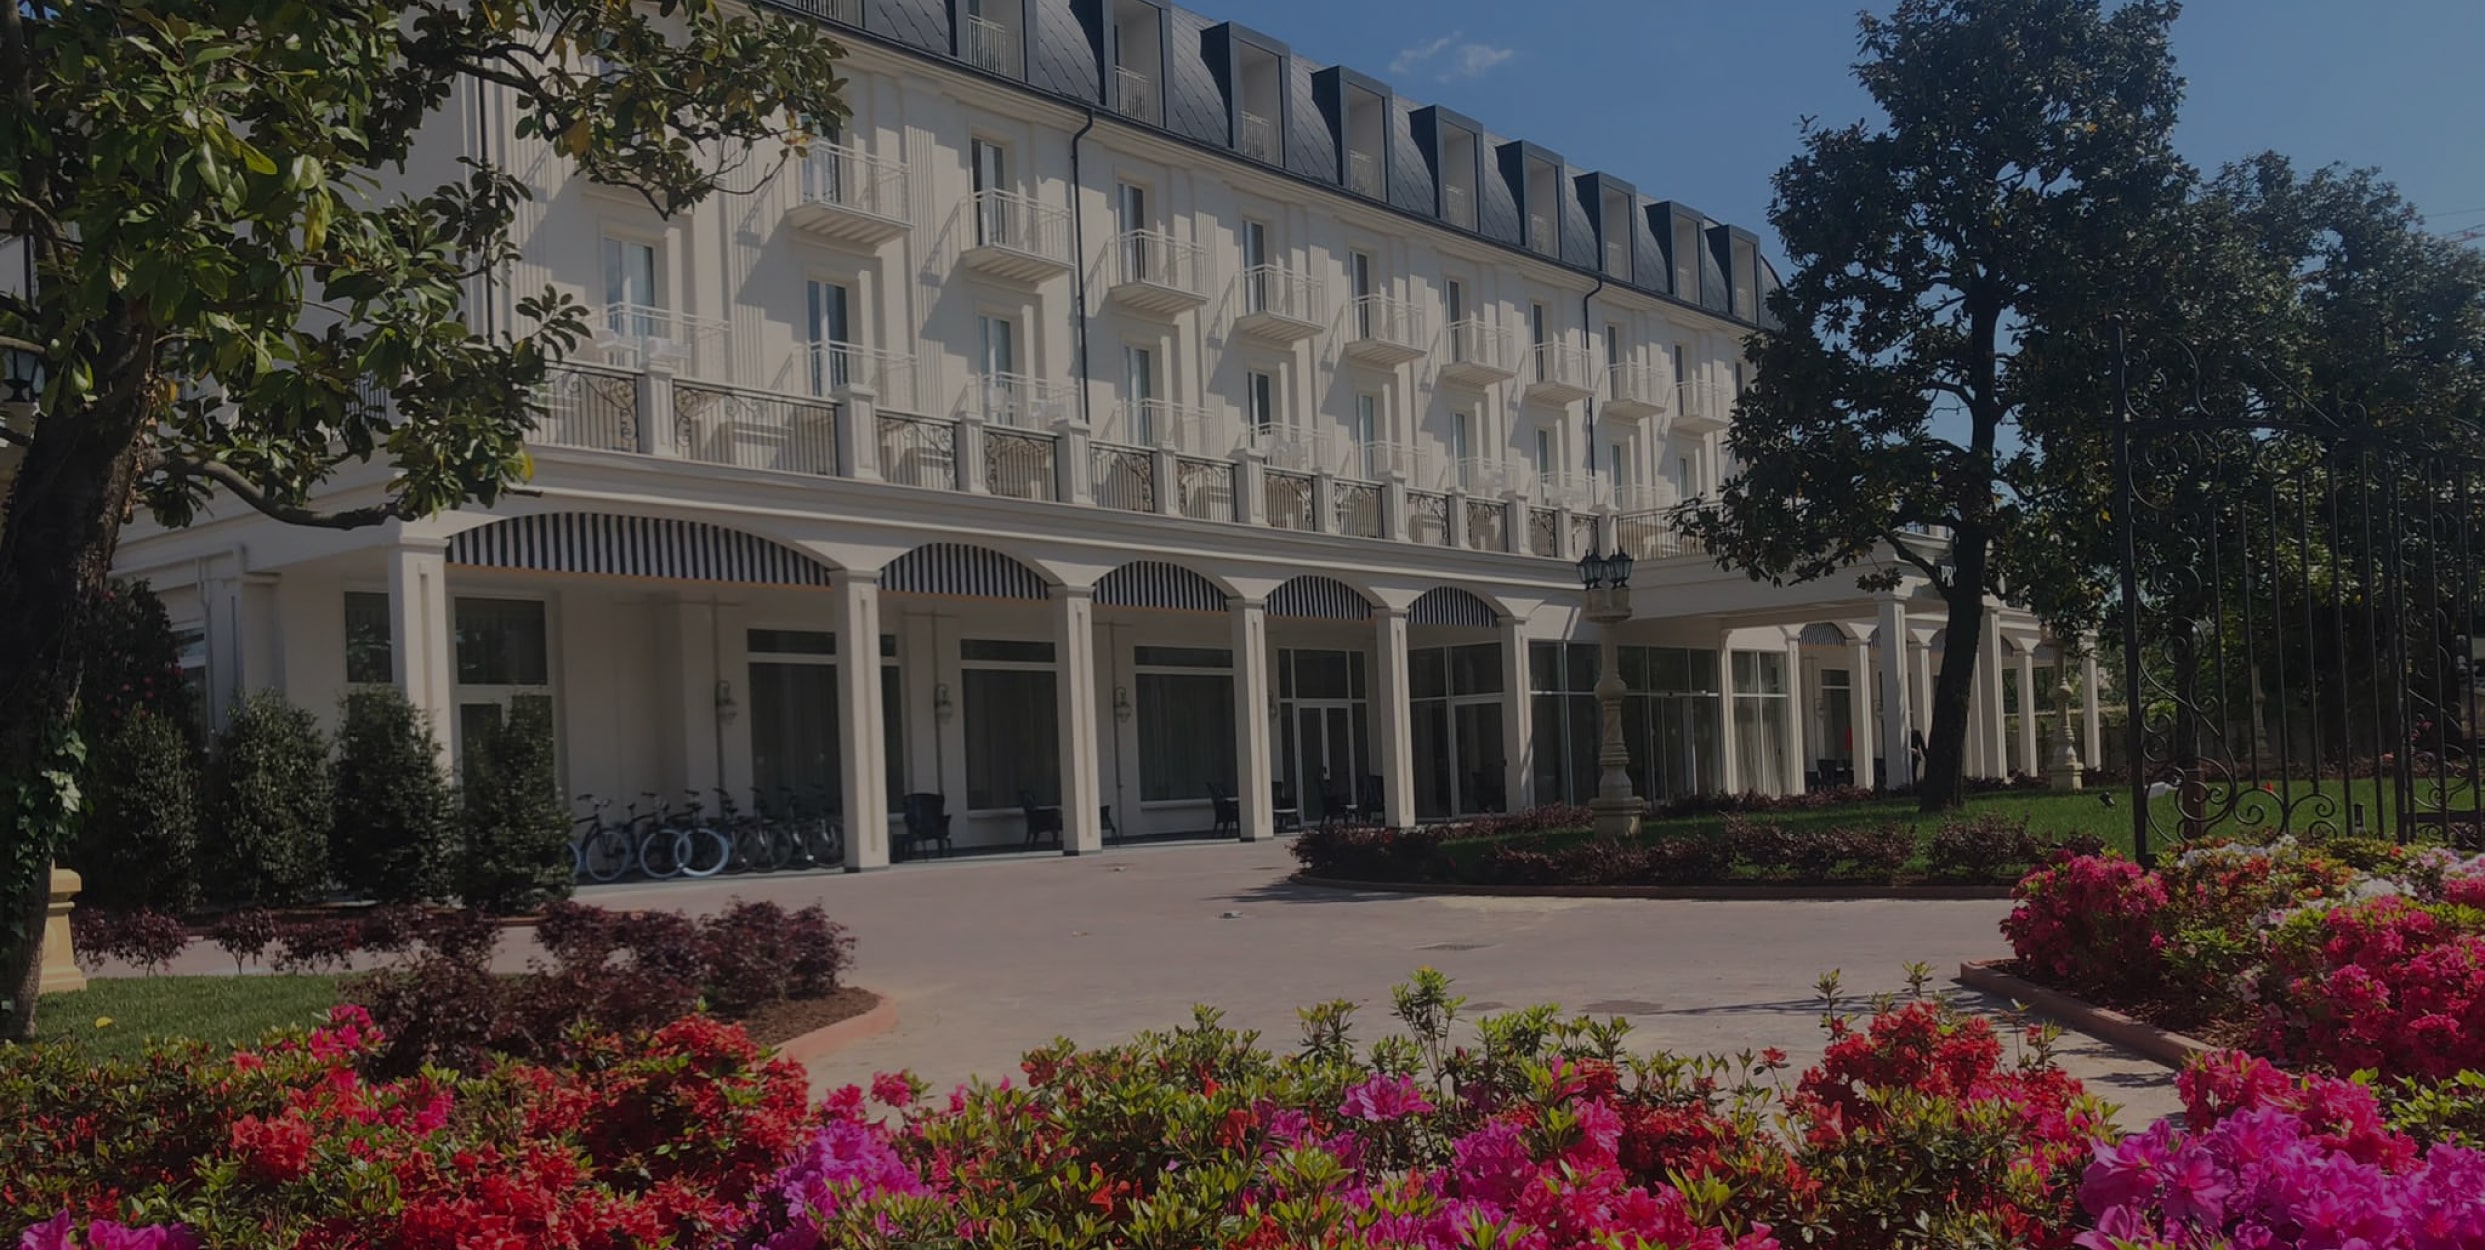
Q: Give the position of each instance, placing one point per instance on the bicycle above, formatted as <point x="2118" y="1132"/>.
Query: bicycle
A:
<point x="757" y="845"/>
<point x="659" y="845"/>
<point x="602" y="851"/>
<point x="700" y="850"/>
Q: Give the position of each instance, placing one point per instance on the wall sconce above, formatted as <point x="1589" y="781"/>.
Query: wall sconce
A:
<point x="726" y="709"/>
<point x="942" y="708"/>
<point x="1121" y="704"/>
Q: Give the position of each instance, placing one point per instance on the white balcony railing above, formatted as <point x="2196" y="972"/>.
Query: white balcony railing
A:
<point x="1134" y="93"/>
<point x="1458" y="204"/>
<point x="1258" y="138"/>
<point x="1302" y="451"/>
<point x="1702" y="406"/>
<point x="1637" y="387"/>
<point x="1158" y="259"/>
<point x="1483" y="475"/>
<point x="1383" y="319"/>
<point x="894" y="377"/>
<point x="636" y="335"/>
<point x="1276" y="291"/>
<point x="1419" y="463"/>
<point x="1014" y="399"/>
<point x="1561" y="366"/>
<point x="1481" y="346"/>
<point x="991" y="46"/>
<point x="1577" y="491"/>
<point x="1540" y="233"/>
<point x="1009" y="222"/>
<point x="1164" y="423"/>
<point x="843" y="177"/>
<point x="1363" y="174"/>
<point x="1617" y="258"/>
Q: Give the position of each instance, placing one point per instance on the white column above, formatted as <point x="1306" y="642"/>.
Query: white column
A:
<point x="1922" y="716"/>
<point x="1392" y="719"/>
<point x="1897" y="727"/>
<point x="2028" y="763"/>
<point x="420" y="658"/>
<point x="1074" y="691"/>
<point x="1253" y="778"/>
<point x="1860" y="689"/>
<point x="2092" y="753"/>
<point x="1729" y="768"/>
<point x="1798" y="716"/>
<point x="1518" y="727"/>
<point x="863" y="773"/>
<point x="686" y="655"/>
<point x="1989" y="690"/>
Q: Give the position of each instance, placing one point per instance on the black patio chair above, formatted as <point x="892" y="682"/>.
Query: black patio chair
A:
<point x="1337" y="806"/>
<point x="1371" y="804"/>
<point x="1225" y="814"/>
<point x="1042" y="822"/>
<point x="1285" y="811"/>
<point x="926" y="825"/>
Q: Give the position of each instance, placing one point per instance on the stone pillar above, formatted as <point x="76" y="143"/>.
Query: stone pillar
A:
<point x="1394" y="526"/>
<point x="2028" y="763"/>
<point x="1798" y="715"/>
<point x="1860" y="726"/>
<point x="1393" y="719"/>
<point x="1897" y="727"/>
<point x="2092" y="733"/>
<point x="1518" y="726"/>
<point x="1729" y="768"/>
<point x="657" y="436"/>
<point x="863" y="772"/>
<point x="1074" y="691"/>
<point x="1250" y="486"/>
<point x="971" y="477"/>
<point x="1457" y="519"/>
<point x="1072" y="463"/>
<point x="59" y="964"/>
<point x="1324" y="502"/>
<point x="1989" y="693"/>
<point x="1168" y="479"/>
<point x="858" y="432"/>
<point x="421" y="659"/>
<point x="1253" y="776"/>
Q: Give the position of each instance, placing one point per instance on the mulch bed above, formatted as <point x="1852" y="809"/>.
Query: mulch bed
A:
<point x="784" y="1021"/>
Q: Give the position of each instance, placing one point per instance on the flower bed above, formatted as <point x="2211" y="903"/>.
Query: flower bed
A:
<point x="1549" y="847"/>
<point x="2347" y="957"/>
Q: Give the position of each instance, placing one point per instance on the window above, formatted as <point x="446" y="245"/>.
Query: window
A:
<point x="1000" y="345"/>
<point x="370" y="657"/>
<point x="1012" y="737"/>
<point x="796" y="741"/>
<point x="1686" y="483"/>
<point x="1367" y="434"/>
<point x="832" y="335"/>
<point x="1139" y="384"/>
<point x="1362" y="270"/>
<point x="991" y="170"/>
<point x="1454" y="299"/>
<point x="1462" y="446"/>
<point x="1544" y="454"/>
<point x="190" y="656"/>
<point x="1621" y="470"/>
<point x="1255" y="244"/>
<point x="1133" y="206"/>
<point x="1679" y="376"/>
<point x="1260" y="395"/>
<point x="1455" y="694"/>
<point x="1613" y="345"/>
<point x="1186" y="721"/>
<point x="1760" y="721"/>
<point x="1536" y="323"/>
<point x="631" y="300"/>
<point x="500" y="642"/>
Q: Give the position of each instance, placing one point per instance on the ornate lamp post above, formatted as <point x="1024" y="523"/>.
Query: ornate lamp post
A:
<point x="1607" y="581"/>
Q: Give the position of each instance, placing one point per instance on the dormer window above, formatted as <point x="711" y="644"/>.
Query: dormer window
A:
<point x="1544" y="184"/>
<point x="1138" y="60"/>
<point x="1617" y="223"/>
<point x="1686" y="259"/>
<point x="1746" y="281"/>
<point x="1363" y="125"/>
<point x="989" y="37"/>
<point x="1458" y="166"/>
<point x="1260" y="82"/>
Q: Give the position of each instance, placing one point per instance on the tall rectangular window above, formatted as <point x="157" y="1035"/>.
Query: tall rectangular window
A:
<point x="1132" y="206"/>
<point x="500" y="642"/>
<point x="1367" y="434"/>
<point x="991" y="171"/>
<point x="1139" y="372"/>
<point x="1454" y="299"/>
<point x="1362" y="270"/>
<point x="832" y="337"/>
<point x="1000" y="345"/>
<point x="1679" y="376"/>
<point x="1613" y="345"/>
<point x="1621" y="470"/>
<point x="631" y="301"/>
<point x="1537" y="325"/>
<point x="1186" y="722"/>
<point x="1462" y="446"/>
<point x="1544" y="454"/>
<point x="1012" y="745"/>
<point x="1255" y="255"/>
<point x="370" y="656"/>
<point x="1260" y="397"/>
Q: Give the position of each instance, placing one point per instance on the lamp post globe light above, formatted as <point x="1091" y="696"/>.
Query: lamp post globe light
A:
<point x="1607" y="583"/>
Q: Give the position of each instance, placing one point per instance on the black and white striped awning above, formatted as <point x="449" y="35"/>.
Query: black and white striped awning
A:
<point x="1448" y="605"/>
<point x="1324" y="598"/>
<point x="634" y="546"/>
<point x="1822" y="634"/>
<point x="957" y="569"/>
<point x="1156" y="584"/>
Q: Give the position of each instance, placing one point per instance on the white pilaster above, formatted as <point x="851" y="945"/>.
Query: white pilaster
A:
<point x="1798" y="716"/>
<point x="1729" y="768"/>
<point x="2028" y="763"/>
<point x="863" y="773"/>
<point x="1860" y="698"/>
<point x="420" y="658"/>
<point x="1897" y="726"/>
<point x="2092" y="734"/>
<point x="1518" y="728"/>
<point x="1921" y="721"/>
<point x="1392" y="719"/>
<point x="1253" y="778"/>
<point x="1074" y="691"/>
<point x="1989" y="692"/>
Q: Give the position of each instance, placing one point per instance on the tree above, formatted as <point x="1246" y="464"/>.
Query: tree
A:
<point x="517" y="833"/>
<point x="269" y="802"/>
<point x="232" y="303"/>
<point x="138" y="846"/>
<point x="2022" y="180"/>
<point x="393" y="833"/>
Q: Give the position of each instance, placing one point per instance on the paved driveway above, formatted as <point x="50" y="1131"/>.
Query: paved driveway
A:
<point x="987" y="958"/>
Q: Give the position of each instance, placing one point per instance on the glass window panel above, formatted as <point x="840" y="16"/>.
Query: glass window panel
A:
<point x="1182" y="657"/>
<point x="1703" y="672"/>
<point x="1544" y="666"/>
<point x="1012" y="739"/>
<point x="791" y="642"/>
<point x="1005" y="651"/>
<point x="1634" y="662"/>
<point x="1186" y="735"/>
<point x="500" y="642"/>
<point x="1669" y="669"/>
<point x="1583" y="673"/>
<point x="893" y="732"/>
<point x="1585" y="737"/>
<point x="1476" y="669"/>
<point x="1435" y="771"/>
<point x="1320" y="674"/>
<point x="1482" y="775"/>
<point x="370" y="658"/>
<point x="1551" y="765"/>
<point x="1354" y="674"/>
<point x="795" y="752"/>
<point x="1427" y="672"/>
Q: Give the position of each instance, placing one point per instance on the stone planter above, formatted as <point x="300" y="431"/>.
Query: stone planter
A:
<point x="60" y="959"/>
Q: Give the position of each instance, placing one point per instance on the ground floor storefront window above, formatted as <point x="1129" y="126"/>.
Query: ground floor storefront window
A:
<point x="1669" y="720"/>
<point x="1013" y="737"/>
<point x="502" y="654"/>
<point x="797" y="756"/>
<point x="1186" y="721"/>
<point x="1324" y="730"/>
<point x="1458" y="748"/>
<point x="1761" y="712"/>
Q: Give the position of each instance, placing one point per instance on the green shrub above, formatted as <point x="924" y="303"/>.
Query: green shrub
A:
<point x="138" y="847"/>
<point x="132" y="662"/>
<point x="394" y="833"/>
<point x="517" y="832"/>
<point x="269" y="802"/>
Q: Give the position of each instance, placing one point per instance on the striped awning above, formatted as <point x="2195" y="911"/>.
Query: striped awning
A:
<point x="1822" y="634"/>
<point x="1324" y="598"/>
<point x="634" y="546"/>
<point x="1156" y="584"/>
<point x="958" y="569"/>
<point x="1448" y="605"/>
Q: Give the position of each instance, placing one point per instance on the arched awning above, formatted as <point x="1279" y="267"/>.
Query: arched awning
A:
<point x="1320" y="598"/>
<point x="964" y="571"/>
<point x="634" y="546"/>
<point x="1157" y="584"/>
<point x="1448" y="605"/>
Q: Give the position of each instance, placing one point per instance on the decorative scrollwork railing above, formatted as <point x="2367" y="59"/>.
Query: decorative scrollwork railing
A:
<point x="1125" y="477"/>
<point x="1019" y="464"/>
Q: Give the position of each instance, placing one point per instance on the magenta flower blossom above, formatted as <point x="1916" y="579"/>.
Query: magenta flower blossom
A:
<point x="1381" y="1099"/>
<point x="60" y="1233"/>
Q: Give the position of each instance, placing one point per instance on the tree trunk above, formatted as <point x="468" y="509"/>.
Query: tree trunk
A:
<point x="57" y="537"/>
<point x="1943" y="786"/>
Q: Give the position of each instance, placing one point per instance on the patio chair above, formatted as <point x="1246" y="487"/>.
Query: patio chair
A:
<point x="1225" y="814"/>
<point x="1371" y="803"/>
<point x="1112" y="832"/>
<point x="927" y="825"/>
<point x="1337" y="807"/>
<point x="1284" y="811"/>
<point x="1042" y="822"/>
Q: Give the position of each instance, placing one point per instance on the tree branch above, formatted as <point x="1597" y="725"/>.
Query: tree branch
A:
<point x="249" y="492"/>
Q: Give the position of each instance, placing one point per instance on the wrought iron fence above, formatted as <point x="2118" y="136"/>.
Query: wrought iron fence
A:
<point x="1544" y="532"/>
<point x="1582" y="533"/>
<point x="754" y="429"/>
<point x="1019" y="464"/>
<point x="589" y="406"/>
<point x="919" y="451"/>
<point x="1204" y="488"/>
<point x="1488" y="525"/>
<point x="1646" y="535"/>
<point x="1358" y="506"/>
<point x="1125" y="477"/>
<point x="1428" y="518"/>
<point x="1286" y="499"/>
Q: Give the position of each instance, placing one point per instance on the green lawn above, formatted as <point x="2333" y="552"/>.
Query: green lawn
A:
<point x="222" y="1011"/>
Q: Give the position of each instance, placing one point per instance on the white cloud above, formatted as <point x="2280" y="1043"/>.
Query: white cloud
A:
<point x="1408" y="60"/>
<point x="1477" y="59"/>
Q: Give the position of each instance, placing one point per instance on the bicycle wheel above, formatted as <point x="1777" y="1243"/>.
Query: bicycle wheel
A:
<point x="826" y="842"/>
<point x="701" y="851"/>
<point x="606" y="855"/>
<point x="660" y="853"/>
<point x="753" y="850"/>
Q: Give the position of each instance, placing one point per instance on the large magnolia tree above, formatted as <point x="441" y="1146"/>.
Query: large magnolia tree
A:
<point x="235" y="295"/>
<point x="2019" y="186"/>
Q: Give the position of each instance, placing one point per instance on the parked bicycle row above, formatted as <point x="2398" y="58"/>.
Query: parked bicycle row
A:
<point x="656" y="838"/>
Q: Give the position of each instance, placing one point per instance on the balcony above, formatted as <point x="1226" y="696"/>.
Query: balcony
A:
<point x="1636" y="390"/>
<point x="1540" y="238"/>
<point x="1278" y="306"/>
<point x="1015" y="238"/>
<point x="1478" y="475"/>
<point x="1384" y="331"/>
<point x="1134" y="94"/>
<point x="1298" y="451"/>
<point x="842" y="12"/>
<point x="852" y="196"/>
<point x="1018" y="401"/>
<point x="1158" y="274"/>
<point x="1164" y="423"/>
<point x="1480" y="354"/>
<point x="1258" y="138"/>
<point x="1580" y="492"/>
<point x="1558" y="373"/>
<point x="1458" y="205"/>
<point x="990" y="46"/>
<point x="638" y="335"/>
<point x="754" y="429"/>
<point x="1363" y="174"/>
<point x="894" y="377"/>
<point x="1702" y="408"/>
<point x="1420" y="465"/>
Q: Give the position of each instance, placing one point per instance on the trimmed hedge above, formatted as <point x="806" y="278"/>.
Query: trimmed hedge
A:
<point x="394" y="837"/>
<point x="139" y="844"/>
<point x="269" y="803"/>
<point x="517" y="832"/>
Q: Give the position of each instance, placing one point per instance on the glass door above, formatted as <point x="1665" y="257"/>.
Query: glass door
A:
<point x="501" y="657"/>
<point x="991" y="175"/>
<point x="1139" y="366"/>
<point x="832" y="335"/>
<point x="1476" y="726"/>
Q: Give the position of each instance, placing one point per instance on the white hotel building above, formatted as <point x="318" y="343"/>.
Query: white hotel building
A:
<point x="1161" y="413"/>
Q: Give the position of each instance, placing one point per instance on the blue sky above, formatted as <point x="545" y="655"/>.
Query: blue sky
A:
<point x="1698" y="101"/>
